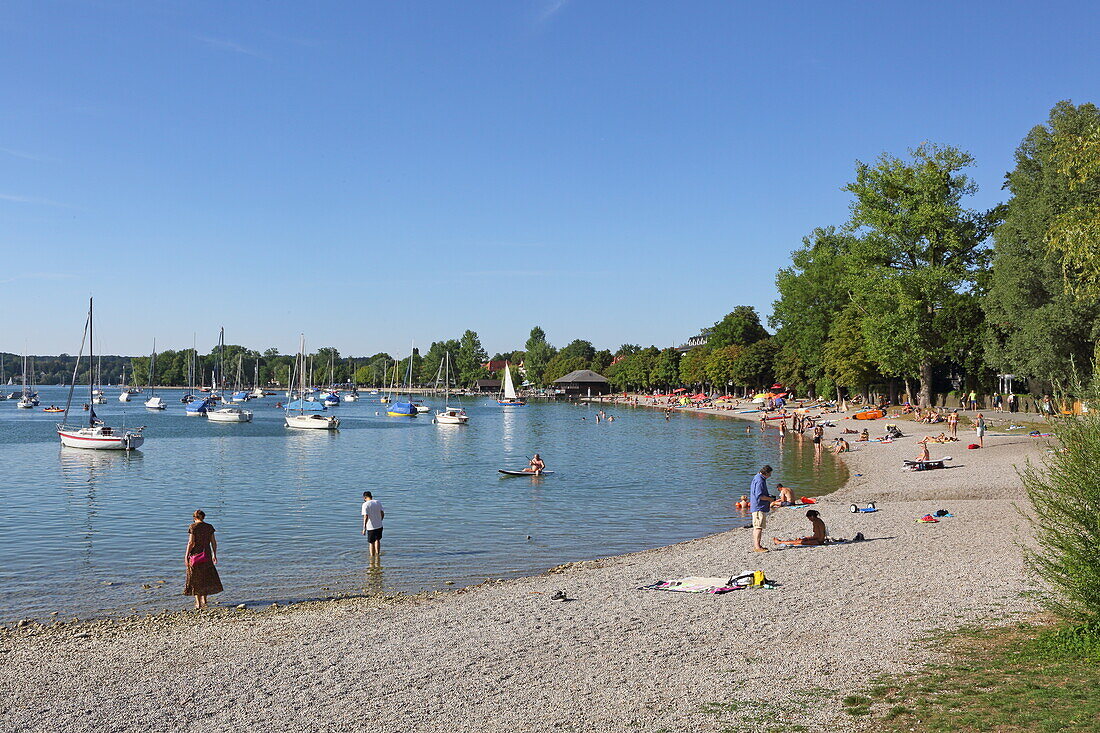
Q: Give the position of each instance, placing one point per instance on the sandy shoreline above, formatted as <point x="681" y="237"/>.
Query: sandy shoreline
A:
<point x="504" y="657"/>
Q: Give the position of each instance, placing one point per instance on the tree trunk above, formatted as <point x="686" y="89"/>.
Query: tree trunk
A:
<point x="926" y="383"/>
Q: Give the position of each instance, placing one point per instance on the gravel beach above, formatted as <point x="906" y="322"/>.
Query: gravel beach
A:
<point x="503" y="656"/>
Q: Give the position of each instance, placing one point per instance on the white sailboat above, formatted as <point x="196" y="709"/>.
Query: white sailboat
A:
<point x="154" y="402"/>
<point x="257" y="390"/>
<point x="227" y="414"/>
<point x="299" y="417"/>
<point x="508" y="395"/>
<point x="124" y="396"/>
<point x="27" y="399"/>
<point x="96" y="435"/>
<point x="449" y="415"/>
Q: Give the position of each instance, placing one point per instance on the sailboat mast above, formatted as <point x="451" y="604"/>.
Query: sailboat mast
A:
<point x="91" y="389"/>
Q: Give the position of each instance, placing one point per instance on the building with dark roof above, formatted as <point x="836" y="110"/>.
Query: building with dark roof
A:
<point x="583" y="383"/>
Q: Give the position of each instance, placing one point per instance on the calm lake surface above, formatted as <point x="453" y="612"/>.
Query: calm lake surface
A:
<point x="86" y="530"/>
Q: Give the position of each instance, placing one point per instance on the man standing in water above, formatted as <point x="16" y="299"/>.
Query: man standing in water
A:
<point x="760" y="502"/>
<point x="373" y="514"/>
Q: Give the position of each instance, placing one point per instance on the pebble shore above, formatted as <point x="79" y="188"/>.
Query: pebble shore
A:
<point x="504" y="656"/>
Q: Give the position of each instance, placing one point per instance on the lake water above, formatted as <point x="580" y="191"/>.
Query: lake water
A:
<point x="85" y="531"/>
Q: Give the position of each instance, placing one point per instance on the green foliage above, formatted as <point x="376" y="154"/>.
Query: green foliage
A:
<point x="918" y="259"/>
<point x="755" y="365"/>
<point x="1064" y="490"/>
<point x="721" y="363"/>
<point x="601" y="360"/>
<point x="693" y="367"/>
<point x="1035" y="328"/>
<point x="845" y="355"/>
<point x="665" y="371"/>
<point x="811" y="292"/>
<point x="537" y="354"/>
<point x="740" y="327"/>
<point x="562" y="364"/>
<point x="1074" y="235"/>
<point x="469" y="359"/>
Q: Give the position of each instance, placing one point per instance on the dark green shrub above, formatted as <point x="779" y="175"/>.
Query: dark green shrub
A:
<point x="1064" y="489"/>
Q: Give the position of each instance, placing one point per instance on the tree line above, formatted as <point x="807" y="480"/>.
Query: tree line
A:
<point x="916" y="292"/>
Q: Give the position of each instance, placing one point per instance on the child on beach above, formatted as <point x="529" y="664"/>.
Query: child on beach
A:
<point x="817" y="536"/>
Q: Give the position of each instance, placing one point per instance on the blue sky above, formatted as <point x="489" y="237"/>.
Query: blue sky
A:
<point x="372" y="173"/>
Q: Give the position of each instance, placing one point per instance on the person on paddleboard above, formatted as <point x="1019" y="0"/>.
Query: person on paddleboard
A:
<point x="537" y="465"/>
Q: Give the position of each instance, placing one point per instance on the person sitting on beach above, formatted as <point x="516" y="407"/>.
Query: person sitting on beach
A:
<point x="924" y="456"/>
<point x="817" y="527"/>
<point x="841" y="446"/>
<point x="786" y="496"/>
<point x="864" y="436"/>
<point x="537" y="465"/>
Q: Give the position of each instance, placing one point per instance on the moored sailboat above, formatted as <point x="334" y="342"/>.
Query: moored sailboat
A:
<point x="154" y="402"/>
<point x="96" y="435"/>
<point x="299" y="416"/>
<point x="449" y="415"/>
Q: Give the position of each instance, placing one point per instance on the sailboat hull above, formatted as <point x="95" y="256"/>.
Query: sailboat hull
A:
<point x="312" y="422"/>
<point x="511" y="403"/>
<point x="96" y="439"/>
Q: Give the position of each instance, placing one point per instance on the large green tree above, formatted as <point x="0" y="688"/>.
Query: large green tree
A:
<point x="811" y="291"/>
<point x="1036" y="325"/>
<point x="740" y="327"/>
<point x="537" y="353"/>
<point x="917" y="258"/>
<point x="469" y="359"/>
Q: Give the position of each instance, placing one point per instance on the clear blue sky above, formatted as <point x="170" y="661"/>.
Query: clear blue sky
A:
<point x="377" y="172"/>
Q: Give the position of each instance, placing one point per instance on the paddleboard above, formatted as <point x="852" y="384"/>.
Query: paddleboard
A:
<point x="523" y="473"/>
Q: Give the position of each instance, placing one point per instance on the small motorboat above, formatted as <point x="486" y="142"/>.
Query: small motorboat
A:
<point x="53" y="408"/>
<point x="155" y="403"/>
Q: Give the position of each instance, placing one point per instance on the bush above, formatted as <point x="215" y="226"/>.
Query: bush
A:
<point x="1065" y="495"/>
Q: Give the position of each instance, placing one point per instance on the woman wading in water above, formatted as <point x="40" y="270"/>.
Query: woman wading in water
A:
<point x="201" y="557"/>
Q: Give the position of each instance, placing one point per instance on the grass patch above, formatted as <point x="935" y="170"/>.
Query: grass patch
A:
<point x="1018" y="678"/>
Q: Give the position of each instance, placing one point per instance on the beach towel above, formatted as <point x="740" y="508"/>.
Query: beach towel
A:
<point x="928" y="519"/>
<point x="692" y="584"/>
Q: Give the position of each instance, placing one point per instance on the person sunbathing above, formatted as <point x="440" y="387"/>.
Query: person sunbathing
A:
<point x="864" y="436"/>
<point x="841" y="446"/>
<point x="817" y="528"/>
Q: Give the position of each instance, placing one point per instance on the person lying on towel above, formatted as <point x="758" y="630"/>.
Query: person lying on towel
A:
<point x="816" y="525"/>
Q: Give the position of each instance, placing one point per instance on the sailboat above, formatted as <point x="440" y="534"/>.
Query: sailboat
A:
<point x="154" y="402"/>
<point x="28" y="400"/>
<point x="98" y="398"/>
<point x="353" y="395"/>
<point x="125" y="394"/>
<point x="297" y="415"/>
<point x="508" y="394"/>
<point x="449" y="415"/>
<point x="404" y="408"/>
<point x="95" y="435"/>
<point x="226" y="414"/>
<point x="240" y="394"/>
<point x="257" y="390"/>
<point x="331" y="398"/>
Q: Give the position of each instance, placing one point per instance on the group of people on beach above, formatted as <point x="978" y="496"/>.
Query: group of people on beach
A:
<point x="761" y="503"/>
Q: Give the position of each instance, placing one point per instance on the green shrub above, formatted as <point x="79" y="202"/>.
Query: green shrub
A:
<point x="1064" y="489"/>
